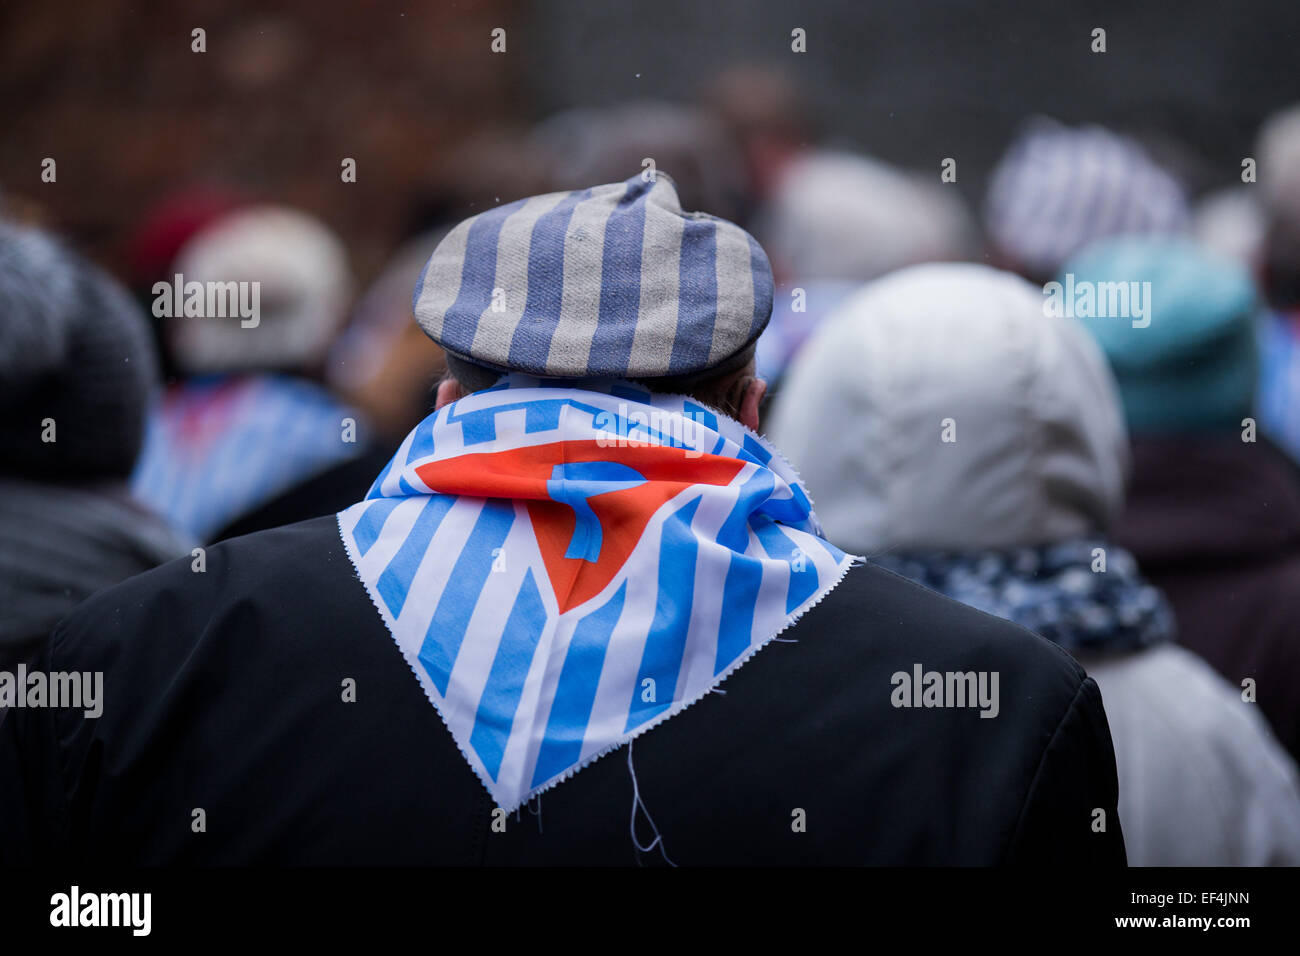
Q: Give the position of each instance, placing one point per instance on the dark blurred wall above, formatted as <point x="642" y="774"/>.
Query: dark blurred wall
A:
<point x="914" y="81"/>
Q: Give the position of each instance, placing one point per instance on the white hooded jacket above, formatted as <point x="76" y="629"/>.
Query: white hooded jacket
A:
<point x="941" y="408"/>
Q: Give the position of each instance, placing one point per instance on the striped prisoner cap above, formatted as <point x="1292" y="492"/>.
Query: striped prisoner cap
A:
<point x="612" y="281"/>
<point x="1059" y="189"/>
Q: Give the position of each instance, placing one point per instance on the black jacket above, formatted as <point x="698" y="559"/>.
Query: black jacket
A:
<point x="223" y="693"/>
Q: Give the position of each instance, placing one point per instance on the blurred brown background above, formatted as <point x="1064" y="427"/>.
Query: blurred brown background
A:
<point x="112" y="91"/>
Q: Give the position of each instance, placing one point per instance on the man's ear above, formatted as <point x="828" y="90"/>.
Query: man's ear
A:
<point x="449" y="390"/>
<point x="750" y="401"/>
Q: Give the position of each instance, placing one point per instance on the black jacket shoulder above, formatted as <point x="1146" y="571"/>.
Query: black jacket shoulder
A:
<point x="225" y="691"/>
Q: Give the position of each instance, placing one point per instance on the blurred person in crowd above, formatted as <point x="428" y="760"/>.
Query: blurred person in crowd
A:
<point x="582" y="542"/>
<point x="1213" y="511"/>
<point x="767" y="114"/>
<point x="836" y="220"/>
<point x="382" y="363"/>
<point x="1229" y="224"/>
<point x="1278" y="153"/>
<point x="979" y="449"/>
<point x="76" y="371"/>
<point x="151" y="249"/>
<point x="492" y="165"/>
<point x="149" y="252"/>
<point x="247" y="422"/>
<point x="581" y="146"/>
<point x="1058" y="188"/>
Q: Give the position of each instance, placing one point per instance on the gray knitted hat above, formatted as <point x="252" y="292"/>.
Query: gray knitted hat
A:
<point x="76" y="363"/>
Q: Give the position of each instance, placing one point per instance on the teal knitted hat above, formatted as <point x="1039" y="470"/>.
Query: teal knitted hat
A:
<point x="1184" y="351"/>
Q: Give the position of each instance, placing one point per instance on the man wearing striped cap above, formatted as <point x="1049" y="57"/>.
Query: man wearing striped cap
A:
<point x="584" y="588"/>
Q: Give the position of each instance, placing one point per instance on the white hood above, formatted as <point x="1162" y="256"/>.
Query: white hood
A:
<point x="1040" y="453"/>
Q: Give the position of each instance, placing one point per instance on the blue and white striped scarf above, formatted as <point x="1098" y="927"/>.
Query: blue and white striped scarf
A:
<point x="565" y="568"/>
<point x="219" y="446"/>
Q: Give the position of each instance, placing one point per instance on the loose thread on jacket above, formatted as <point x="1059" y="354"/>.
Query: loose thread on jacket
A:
<point x="637" y="801"/>
<point x="536" y="811"/>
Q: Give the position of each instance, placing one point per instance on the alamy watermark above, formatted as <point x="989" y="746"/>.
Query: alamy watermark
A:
<point x="209" y="300"/>
<point x="75" y="908"/>
<point x="641" y="428"/>
<point x="1086" y="299"/>
<point x="954" y="689"/>
<point x="77" y="690"/>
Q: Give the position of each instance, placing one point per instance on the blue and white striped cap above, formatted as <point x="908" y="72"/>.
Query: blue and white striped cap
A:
<point x="612" y="281"/>
<point x="1058" y="189"/>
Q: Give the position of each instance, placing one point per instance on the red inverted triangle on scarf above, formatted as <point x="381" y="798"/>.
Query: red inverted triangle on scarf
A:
<point x="523" y="474"/>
